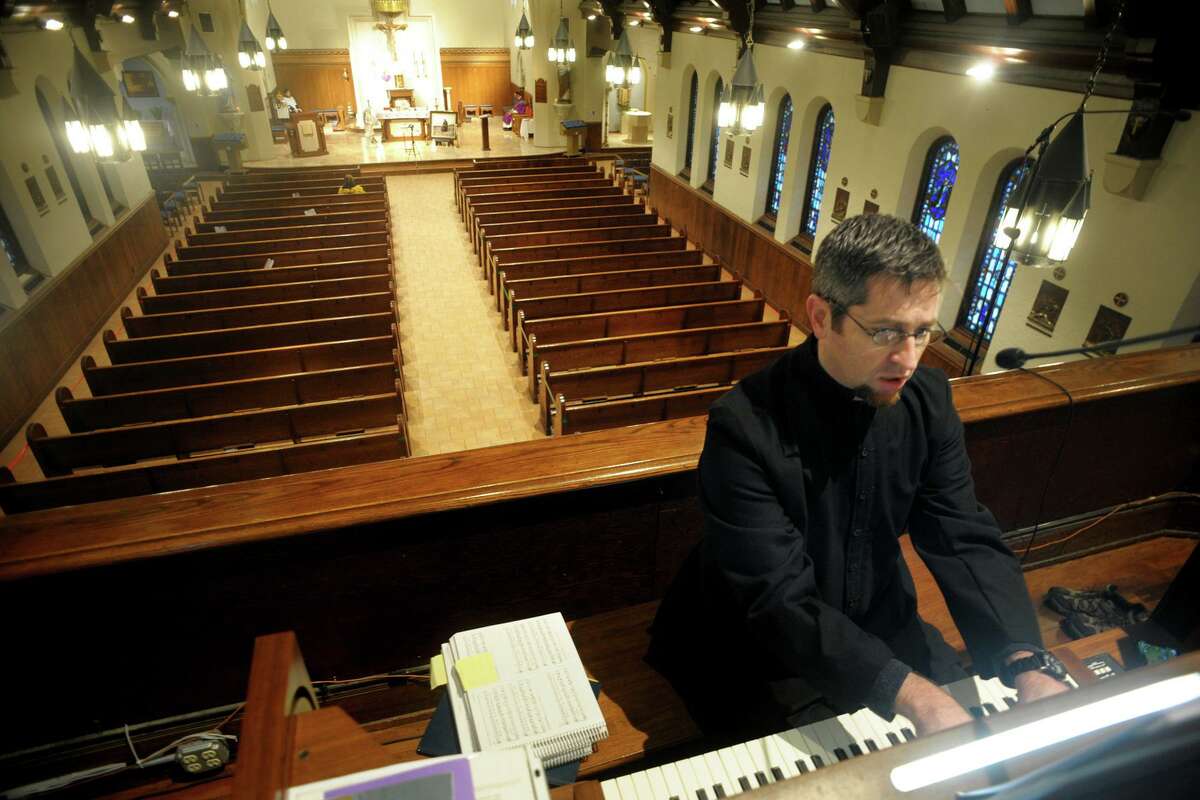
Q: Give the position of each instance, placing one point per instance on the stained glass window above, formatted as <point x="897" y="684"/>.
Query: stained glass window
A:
<point x="818" y="166"/>
<point x="783" y="130"/>
<point x="715" y="145"/>
<point x="691" y="131"/>
<point x="991" y="277"/>
<point x="937" y="182"/>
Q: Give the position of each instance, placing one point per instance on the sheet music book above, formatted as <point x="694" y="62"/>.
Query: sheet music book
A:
<point x="521" y="684"/>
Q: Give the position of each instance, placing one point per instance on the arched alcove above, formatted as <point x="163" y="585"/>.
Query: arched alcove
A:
<point x="54" y="108"/>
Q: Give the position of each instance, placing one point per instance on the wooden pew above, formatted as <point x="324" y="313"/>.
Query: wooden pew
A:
<point x="144" y="376"/>
<point x="517" y="162"/>
<point x="546" y="200"/>
<point x="60" y="455"/>
<point x="378" y="225"/>
<point x="262" y="277"/>
<point x="270" y="218"/>
<point x="521" y="247"/>
<point x="663" y="241"/>
<point x="528" y="310"/>
<point x="258" y="337"/>
<point x="580" y="207"/>
<point x="568" y="388"/>
<point x="527" y="175"/>
<point x="623" y="323"/>
<point x="605" y="281"/>
<point x="345" y="202"/>
<point x="563" y="267"/>
<point x="286" y="243"/>
<point x="504" y="201"/>
<point x="302" y="185"/>
<point x="269" y="293"/>
<point x="267" y="175"/>
<point x="635" y="216"/>
<point x="579" y="417"/>
<point x="286" y="258"/>
<point x="213" y="470"/>
<point x="224" y="318"/>
<point x="85" y="414"/>
<point x="499" y="192"/>
<point x="563" y="357"/>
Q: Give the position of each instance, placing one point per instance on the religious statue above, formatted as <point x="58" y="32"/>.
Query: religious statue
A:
<point x="564" y="84"/>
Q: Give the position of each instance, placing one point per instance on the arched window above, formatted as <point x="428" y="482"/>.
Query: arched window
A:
<point x="691" y="130"/>
<point x="991" y="277"/>
<point x="937" y="182"/>
<point x="783" y="130"/>
<point x="818" y="166"/>
<point x="715" y="145"/>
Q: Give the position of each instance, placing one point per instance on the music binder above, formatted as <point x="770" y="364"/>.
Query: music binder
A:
<point x="521" y="684"/>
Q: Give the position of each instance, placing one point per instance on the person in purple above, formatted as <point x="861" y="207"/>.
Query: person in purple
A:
<point x="519" y="107"/>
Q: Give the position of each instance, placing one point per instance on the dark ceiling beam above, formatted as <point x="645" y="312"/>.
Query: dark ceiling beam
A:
<point x="616" y="17"/>
<point x="818" y="5"/>
<point x="954" y="10"/>
<point x="664" y="11"/>
<point x="1017" y="11"/>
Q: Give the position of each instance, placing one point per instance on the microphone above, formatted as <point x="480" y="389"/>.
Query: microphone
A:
<point x="1014" y="357"/>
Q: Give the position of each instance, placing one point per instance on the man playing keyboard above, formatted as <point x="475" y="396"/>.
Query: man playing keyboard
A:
<point x="797" y="604"/>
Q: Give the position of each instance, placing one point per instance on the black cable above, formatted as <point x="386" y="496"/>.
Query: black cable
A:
<point x="1062" y="445"/>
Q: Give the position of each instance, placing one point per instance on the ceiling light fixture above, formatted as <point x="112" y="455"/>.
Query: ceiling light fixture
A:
<point x="275" y="37"/>
<point x="52" y="24"/>
<point x="523" y="38"/>
<point x="797" y="44"/>
<point x="743" y="103"/>
<point x="982" y="70"/>
<point x="250" y="54"/>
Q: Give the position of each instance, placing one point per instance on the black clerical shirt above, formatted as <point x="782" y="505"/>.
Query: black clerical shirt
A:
<point x="806" y="490"/>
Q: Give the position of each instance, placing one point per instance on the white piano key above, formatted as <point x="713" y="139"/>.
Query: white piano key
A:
<point x="675" y="786"/>
<point x="859" y="732"/>
<point x="609" y="789"/>
<point x="748" y="768"/>
<point x="687" y="775"/>
<point x="705" y="779"/>
<point x="780" y="756"/>
<point x="733" y="770"/>
<point x="875" y="726"/>
<point x="643" y="787"/>
<point x="760" y="760"/>
<point x="832" y="737"/>
<point x="798" y="746"/>
<point x="625" y="787"/>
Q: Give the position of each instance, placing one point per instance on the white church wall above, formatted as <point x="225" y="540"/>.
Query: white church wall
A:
<point x="459" y="23"/>
<point x="1149" y="238"/>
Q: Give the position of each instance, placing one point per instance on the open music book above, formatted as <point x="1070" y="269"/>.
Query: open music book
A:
<point x="522" y="684"/>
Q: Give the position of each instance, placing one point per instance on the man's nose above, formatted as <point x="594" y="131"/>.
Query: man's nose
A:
<point x="907" y="353"/>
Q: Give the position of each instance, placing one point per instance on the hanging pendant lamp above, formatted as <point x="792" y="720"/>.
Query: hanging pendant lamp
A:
<point x="275" y="38"/>
<point x="523" y="38"/>
<point x="203" y="72"/>
<point x="97" y="122"/>
<point x="250" y="54"/>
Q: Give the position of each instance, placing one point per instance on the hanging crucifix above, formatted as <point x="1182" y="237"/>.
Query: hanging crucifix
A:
<point x="389" y="27"/>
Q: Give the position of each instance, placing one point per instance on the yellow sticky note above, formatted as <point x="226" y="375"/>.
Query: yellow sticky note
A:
<point x="437" y="672"/>
<point x="476" y="671"/>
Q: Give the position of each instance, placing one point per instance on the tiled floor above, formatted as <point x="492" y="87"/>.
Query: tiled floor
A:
<point x="463" y="386"/>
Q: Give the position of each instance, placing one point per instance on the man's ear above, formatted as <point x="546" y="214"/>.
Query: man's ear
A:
<point x="820" y="315"/>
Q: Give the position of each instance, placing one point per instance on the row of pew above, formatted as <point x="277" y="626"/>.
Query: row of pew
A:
<point x="614" y="317"/>
<point x="267" y="345"/>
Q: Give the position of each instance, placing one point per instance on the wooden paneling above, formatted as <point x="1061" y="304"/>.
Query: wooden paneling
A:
<point x="782" y="273"/>
<point x="51" y="330"/>
<point x="477" y="75"/>
<point x="317" y="78"/>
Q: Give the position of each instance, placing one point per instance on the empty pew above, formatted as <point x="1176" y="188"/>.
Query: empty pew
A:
<point x="85" y="414"/>
<point x="345" y="202"/>
<point x="634" y="217"/>
<point x="563" y="267"/>
<point x="564" y="389"/>
<point x="323" y="212"/>
<point x="269" y="293"/>
<point x="545" y="200"/>
<point x="257" y="175"/>
<point x="624" y="323"/>
<point x="603" y="282"/>
<point x="287" y="243"/>
<point x="581" y="207"/>
<point x="148" y="375"/>
<point x="212" y="319"/>
<point x="525" y="246"/>
<point x="60" y="455"/>
<point x="530" y="309"/>
<point x="643" y="347"/>
<point x="166" y="284"/>
<point x="379" y="224"/>
<point x="495" y="202"/>
<point x="286" y="258"/>
<point x="663" y="241"/>
<point x="576" y="418"/>
<point x="526" y="175"/>
<point x="248" y="464"/>
<point x="496" y="192"/>
<point x="259" y="337"/>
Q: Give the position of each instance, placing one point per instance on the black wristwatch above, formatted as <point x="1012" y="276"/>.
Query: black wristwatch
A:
<point x="1043" y="661"/>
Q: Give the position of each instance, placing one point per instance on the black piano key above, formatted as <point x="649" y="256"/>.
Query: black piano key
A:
<point x="818" y="762"/>
<point x="989" y="708"/>
<point x="800" y="765"/>
<point x="855" y="749"/>
<point x="718" y="790"/>
<point x="841" y="754"/>
<point x="1011" y="701"/>
<point x="701" y="794"/>
<point x="976" y="712"/>
<point x="871" y="746"/>
<point x="745" y="784"/>
<point x="777" y="773"/>
<point x="673" y="797"/>
<point x="909" y="733"/>
<point x="893" y="738"/>
<point x="761" y="778"/>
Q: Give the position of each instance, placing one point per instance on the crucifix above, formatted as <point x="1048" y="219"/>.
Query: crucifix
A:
<point x="389" y="26"/>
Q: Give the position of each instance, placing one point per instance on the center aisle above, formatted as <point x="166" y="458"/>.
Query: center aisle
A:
<point x="463" y="387"/>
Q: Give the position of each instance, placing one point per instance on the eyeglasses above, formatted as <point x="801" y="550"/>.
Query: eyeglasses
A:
<point x="890" y="337"/>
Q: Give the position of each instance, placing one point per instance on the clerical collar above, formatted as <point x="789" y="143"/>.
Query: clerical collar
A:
<point x="809" y="369"/>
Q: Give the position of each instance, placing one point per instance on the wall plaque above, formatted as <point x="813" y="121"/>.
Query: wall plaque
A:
<point x="1108" y="325"/>
<point x="870" y="208"/>
<point x="35" y="192"/>
<point x="1047" y="307"/>
<point x="55" y="185"/>
<point x="254" y="97"/>
<point x="670" y="123"/>
<point x="729" y="153"/>
<point x="539" y="91"/>
<point x="841" y="203"/>
<point x="745" y="168"/>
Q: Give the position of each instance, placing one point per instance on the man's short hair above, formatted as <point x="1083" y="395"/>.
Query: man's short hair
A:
<point x="869" y="245"/>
